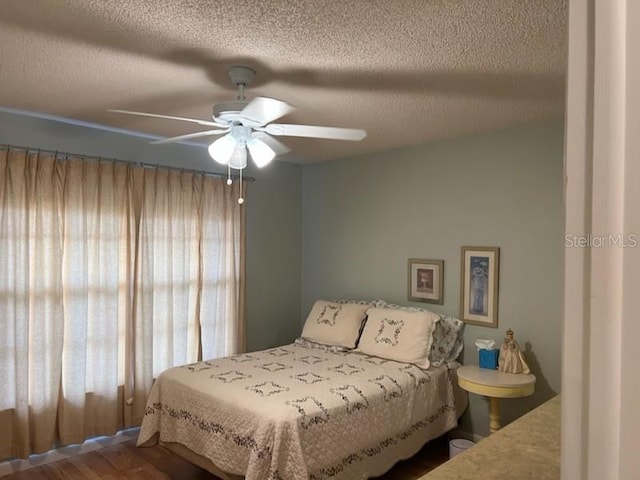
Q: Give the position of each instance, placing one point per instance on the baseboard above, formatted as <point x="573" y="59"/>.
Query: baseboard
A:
<point x="19" y="465"/>
<point x="458" y="433"/>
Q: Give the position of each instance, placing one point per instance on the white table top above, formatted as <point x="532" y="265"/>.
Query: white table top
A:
<point x="494" y="378"/>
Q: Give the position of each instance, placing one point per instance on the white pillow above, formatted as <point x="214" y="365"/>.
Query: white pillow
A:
<point x="399" y="335"/>
<point x="333" y="323"/>
<point x="447" y="344"/>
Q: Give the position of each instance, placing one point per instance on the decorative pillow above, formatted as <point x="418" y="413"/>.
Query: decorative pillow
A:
<point x="327" y="348"/>
<point x="369" y="303"/>
<point x="455" y="351"/>
<point x="333" y="323"/>
<point x="398" y="335"/>
<point x="376" y="302"/>
<point x="446" y="342"/>
<point x="447" y="345"/>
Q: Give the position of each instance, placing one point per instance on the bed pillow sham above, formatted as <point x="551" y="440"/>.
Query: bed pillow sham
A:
<point x="447" y="344"/>
<point x="320" y="346"/>
<point x="376" y="302"/>
<point x="398" y="335"/>
<point x="332" y="323"/>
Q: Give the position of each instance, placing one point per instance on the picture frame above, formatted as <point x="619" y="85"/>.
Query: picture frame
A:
<point x="479" y="276"/>
<point x="425" y="280"/>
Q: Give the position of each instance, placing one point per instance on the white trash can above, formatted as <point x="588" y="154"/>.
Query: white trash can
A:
<point x="459" y="445"/>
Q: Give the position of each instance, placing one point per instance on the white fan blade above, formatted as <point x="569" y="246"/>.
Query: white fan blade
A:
<point x="275" y="145"/>
<point x="314" y="131"/>
<point x="179" y="138"/>
<point x="263" y="110"/>
<point x="169" y="117"/>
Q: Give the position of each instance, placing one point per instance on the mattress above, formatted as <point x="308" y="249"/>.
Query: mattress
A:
<point x="295" y="412"/>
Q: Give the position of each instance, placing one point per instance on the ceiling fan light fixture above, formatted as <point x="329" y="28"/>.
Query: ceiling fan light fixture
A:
<point x="261" y="153"/>
<point x="223" y="149"/>
<point x="238" y="158"/>
<point x="247" y="129"/>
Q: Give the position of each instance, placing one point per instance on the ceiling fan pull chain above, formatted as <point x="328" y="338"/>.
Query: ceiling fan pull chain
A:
<point x="241" y="199"/>
<point x="229" y="181"/>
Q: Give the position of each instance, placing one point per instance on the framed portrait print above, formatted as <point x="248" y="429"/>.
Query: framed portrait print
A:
<point x="426" y="280"/>
<point x="479" y="285"/>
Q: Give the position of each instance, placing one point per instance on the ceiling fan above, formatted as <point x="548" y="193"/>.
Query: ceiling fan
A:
<point x="246" y="125"/>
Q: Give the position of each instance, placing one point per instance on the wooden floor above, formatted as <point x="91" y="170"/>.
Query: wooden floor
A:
<point x="125" y="460"/>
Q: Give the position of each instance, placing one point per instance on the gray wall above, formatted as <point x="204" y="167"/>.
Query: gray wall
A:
<point x="273" y="205"/>
<point x="364" y="217"/>
<point x="348" y="227"/>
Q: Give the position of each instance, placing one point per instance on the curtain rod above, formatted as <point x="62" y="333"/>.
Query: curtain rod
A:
<point x="66" y="155"/>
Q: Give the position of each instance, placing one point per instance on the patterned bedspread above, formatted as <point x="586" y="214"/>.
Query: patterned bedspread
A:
<point x="300" y="413"/>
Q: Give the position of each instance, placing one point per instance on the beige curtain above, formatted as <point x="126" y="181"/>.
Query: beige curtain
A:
<point x="109" y="274"/>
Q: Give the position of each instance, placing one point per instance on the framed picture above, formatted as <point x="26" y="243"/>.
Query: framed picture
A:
<point x="479" y="285"/>
<point x="426" y="280"/>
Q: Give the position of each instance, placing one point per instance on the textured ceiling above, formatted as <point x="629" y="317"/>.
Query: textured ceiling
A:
<point x="407" y="71"/>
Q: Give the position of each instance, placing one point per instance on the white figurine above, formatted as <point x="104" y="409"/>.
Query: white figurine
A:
<point x="511" y="359"/>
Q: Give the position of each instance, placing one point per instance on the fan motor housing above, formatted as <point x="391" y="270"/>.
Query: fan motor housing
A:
<point x="229" y="110"/>
<point x="241" y="75"/>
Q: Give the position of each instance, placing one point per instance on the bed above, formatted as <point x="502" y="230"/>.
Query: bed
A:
<point x="301" y="412"/>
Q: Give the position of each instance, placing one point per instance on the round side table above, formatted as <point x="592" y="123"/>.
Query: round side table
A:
<point x="495" y="385"/>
